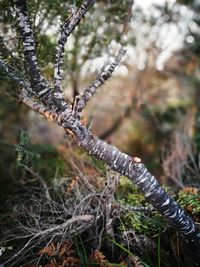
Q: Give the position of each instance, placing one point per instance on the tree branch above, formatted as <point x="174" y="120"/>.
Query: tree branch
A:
<point x="38" y="83"/>
<point x="113" y="157"/>
<point x="28" y="40"/>
<point x="81" y="101"/>
<point x="66" y="29"/>
<point x="125" y="165"/>
<point x="136" y="172"/>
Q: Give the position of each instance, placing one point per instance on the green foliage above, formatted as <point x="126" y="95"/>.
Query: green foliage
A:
<point x="50" y="163"/>
<point x="143" y="224"/>
<point x="128" y="193"/>
<point x="44" y="159"/>
<point x="8" y="172"/>
<point x="11" y="114"/>
<point x="81" y="250"/>
<point x="125" y="250"/>
<point x="190" y="201"/>
<point x="25" y="157"/>
<point x="46" y="51"/>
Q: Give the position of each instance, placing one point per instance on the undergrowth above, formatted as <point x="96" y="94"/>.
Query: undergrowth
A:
<point x="73" y="211"/>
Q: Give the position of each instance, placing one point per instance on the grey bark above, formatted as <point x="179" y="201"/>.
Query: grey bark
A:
<point x="66" y="29"/>
<point x="56" y="108"/>
<point x="91" y="90"/>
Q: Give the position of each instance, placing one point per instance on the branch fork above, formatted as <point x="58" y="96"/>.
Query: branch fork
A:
<point x="53" y="105"/>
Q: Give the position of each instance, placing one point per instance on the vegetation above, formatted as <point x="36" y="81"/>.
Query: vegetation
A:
<point x="60" y="206"/>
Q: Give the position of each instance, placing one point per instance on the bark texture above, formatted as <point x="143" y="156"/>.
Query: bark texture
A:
<point x="66" y="29"/>
<point x="91" y="90"/>
<point x="56" y="108"/>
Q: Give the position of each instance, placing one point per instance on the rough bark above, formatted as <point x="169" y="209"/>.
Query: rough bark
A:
<point x="37" y="81"/>
<point x="62" y="113"/>
<point x="66" y="29"/>
<point x="136" y="172"/>
<point x="91" y="90"/>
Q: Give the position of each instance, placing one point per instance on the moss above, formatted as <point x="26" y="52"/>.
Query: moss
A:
<point x="190" y="200"/>
<point x="142" y="224"/>
<point x="128" y="193"/>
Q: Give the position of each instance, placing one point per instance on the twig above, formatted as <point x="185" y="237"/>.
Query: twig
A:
<point x="66" y="29"/>
<point x="40" y="179"/>
<point x="81" y="101"/>
<point x="38" y="83"/>
<point x="75" y="219"/>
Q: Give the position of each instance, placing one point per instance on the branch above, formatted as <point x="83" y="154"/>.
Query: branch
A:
<point x="28" y="40"/>
<point x="113" y="157"/>
<point x="66" y="29"/>
<point x="81" y="101"/>
<point x="27" y="92"/>
<point x="38" y="107"/>
<point x="38" y="83"/>
<point x="76" y="219"/>
<point x="136" y="172"/>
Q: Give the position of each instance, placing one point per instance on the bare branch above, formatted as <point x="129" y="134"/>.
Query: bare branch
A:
<point x="24" y="24"/>
<point x="135" y="171"/>
<point x="38" y="106"/>
<point x="118" y="161"/>
<point x="38" y="83"/>
<point x="76" y="219"/>
<point x="81" y="101"/>
<point x="66" y="29"/>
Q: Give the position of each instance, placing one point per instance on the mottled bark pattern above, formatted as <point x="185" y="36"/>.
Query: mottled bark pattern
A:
<point x="66" y="29"/>
<point x="91" y="90"/>
<point x="55" y="108"/>
<point x="38" y="83"/>
<point x="138" y="174"/>
<point x="28" y="41"/>
<point x="152" y="190"/>
<point x="125" y="165"/>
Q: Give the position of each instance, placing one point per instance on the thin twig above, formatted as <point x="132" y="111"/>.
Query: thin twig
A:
<point x="88" y="93"/>
<point x="66" y="29"/>
<point x="40" y="179"/>
<point x="75" y="219"/>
